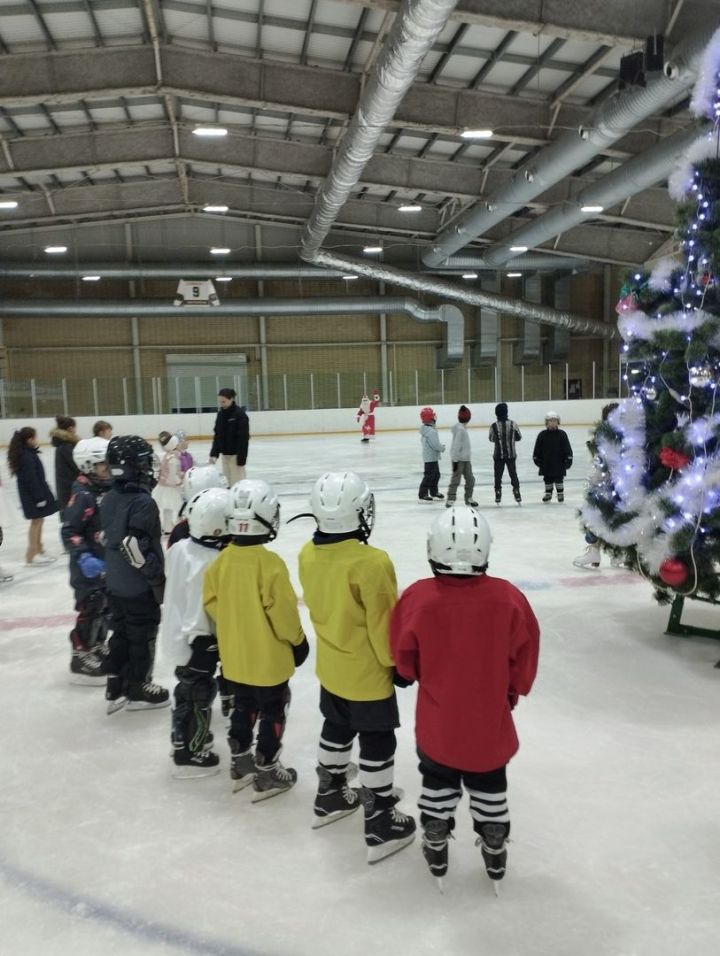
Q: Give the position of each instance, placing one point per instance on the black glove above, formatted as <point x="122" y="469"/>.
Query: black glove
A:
<point x="300" y="652"/>
<point x="400" y="681"/>
<point x="158" y="592"/>
<point x="454" y="464"/>
<point x="568" y="464"/>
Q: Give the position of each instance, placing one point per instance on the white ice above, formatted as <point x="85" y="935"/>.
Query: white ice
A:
<point x="613" y="795"/>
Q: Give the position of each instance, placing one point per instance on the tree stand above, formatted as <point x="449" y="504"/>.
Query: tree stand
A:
<point x="674" y="625"/>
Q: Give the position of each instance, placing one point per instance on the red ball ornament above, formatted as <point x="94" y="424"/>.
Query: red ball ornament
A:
<point x="674" y="572"/>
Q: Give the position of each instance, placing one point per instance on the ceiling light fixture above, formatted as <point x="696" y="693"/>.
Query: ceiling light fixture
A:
<point x="476" y="134"/>
<point x="469" y="275"/>
<point x="591" y="208"/>
<point x="91" y="278"/>
<point x="514" y="275"/>
<point x="518" y="248"/>
<point x="410" y="207"/>
<point x="372" y="250"/>
<point x="349" y="278"/>
<point x="8" y="204"/>
<point x="223" y="278"/>
<point x="209" y="131"/>
<point x="215" y="208"/>
<point x="219" y="251"/>
<point x="55" y="250"/>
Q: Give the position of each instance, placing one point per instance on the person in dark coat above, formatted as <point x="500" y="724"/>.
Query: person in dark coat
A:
<point x="64" y="439"/>
<point x="232" y="435"/>
<point x="36" y="498"/>
<point x="553" y="456"/>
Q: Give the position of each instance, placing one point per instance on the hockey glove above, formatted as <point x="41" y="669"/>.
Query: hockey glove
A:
<point x="400" y="681"/>
<point x="300" y="652"/>
<point x="454" y="464"/>
<point x="130" y="550"/>
<point x="90" y="566"/>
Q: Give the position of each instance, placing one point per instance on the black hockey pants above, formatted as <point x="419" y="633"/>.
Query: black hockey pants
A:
<point x="134" y="622"/>
<point x="266" y="706"/>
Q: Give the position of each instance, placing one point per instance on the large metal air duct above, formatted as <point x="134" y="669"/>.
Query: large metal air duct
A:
<point x="413" y="33"/>
<point x="605" y="126"/>
<point x="163" y="270"/>
<point x="639" y="173"/>
<point x="449" y="315"/>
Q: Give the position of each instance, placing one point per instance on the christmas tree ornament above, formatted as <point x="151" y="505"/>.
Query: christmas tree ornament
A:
<point x="673" y="572"/>
<point x="650" y="392"/>
<point x="701" y="375"/>
<point x="675" y="460"/>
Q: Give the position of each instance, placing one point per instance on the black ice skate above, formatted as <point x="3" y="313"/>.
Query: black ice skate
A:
<point x="435" y="847"/>
<point x="189" y="765"/>
<point x="560" y="496"/>
<point x="334" y="799"/>
<point x="387" y="830"/>
<point x="242" y="767"/>
<point x="425" y="498"/>
<point x="547" y="496"/>
<point x="492" y="845"/>
<point x="147" y="696"/>
<point x="115" y="693"/>
<point x="470" y="503"/>
<point x="498" y="497"/>
<point x="86" y="668"/>
<point x="271" y="779"/>
<point x="517" y="495"/>
<point x="438" y="497"/>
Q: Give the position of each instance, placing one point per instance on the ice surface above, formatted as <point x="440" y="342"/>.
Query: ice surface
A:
<point x="613" y="795"/>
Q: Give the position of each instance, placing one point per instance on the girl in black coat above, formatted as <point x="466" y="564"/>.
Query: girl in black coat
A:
<point x="553" y="456"/>
<point x="35" y="496"/>
<point x="64" y="438"/>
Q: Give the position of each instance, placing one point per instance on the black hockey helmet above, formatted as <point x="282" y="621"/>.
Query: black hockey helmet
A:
<point x="130" y="458"/>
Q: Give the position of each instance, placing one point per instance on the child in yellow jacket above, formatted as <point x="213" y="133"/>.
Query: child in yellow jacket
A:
<point x="248" y="594"/>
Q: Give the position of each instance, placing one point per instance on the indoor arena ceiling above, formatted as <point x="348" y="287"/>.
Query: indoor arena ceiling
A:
<point x="100" y="102"/>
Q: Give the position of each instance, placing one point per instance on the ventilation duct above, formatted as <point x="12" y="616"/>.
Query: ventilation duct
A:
<point x="486" y="328"/>
<point x="162" y="270"/>
<point x="449" y="315"/>
<point x="534" y="262"/>
<point x="605" y="126"/>
<point x="556" y="347"/>
<point x="417" y="26"/>
<point x="527" y="350"/>
<point x="639" y="173"/>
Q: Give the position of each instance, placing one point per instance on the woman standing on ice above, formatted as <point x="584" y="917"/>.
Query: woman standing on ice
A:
<point x="36" y="498"/>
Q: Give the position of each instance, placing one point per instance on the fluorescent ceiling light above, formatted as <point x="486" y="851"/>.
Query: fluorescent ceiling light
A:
<point x="514" y="275"/>
<point x="518" y="248"/>
<point x="209" y="131"/>
<point x="215" y="208"/>
<point x="370" y="250"/>
<point x="349" y="278"/>
<point x="219" y="251"/>
<point x="8" y="204"/>
<point x="55" y="250"/>
<point x="223" y="278"/>
<point x="469" y="275"/>
<point x="476" y="134"/>
<point x="591" y="208"/>
<point x="410" y="207"/>
<point x="91" y="278"/>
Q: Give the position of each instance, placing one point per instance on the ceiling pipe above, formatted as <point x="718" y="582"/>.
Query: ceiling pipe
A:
<point x="530" y="263"/>
<point x="639" y="173"/>
<point x="449" y="315"/>
<point x="413" y="33"/>
<point x="605" y="126"/>
<point x="447" y="290"/>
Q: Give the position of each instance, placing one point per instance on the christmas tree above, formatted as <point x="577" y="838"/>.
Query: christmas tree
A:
<point x="653" y="497"/>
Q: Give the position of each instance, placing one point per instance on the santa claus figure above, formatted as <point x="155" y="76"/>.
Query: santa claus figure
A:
<point x="366" y="415"/>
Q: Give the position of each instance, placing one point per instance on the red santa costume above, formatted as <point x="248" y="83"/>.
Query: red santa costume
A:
<point x="366" y="415"/>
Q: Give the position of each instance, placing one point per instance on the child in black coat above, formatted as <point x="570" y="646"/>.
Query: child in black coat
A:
<point x="553" y="456"/>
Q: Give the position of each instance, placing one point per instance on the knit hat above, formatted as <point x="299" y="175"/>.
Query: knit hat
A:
<point x="501" y="411"/>
<point x="427" y="415"/>
<point x="464" y="414"/>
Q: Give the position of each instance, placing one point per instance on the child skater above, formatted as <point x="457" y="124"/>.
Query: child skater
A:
<point x="432" y="449"/>
<point x="248" y="594"/>
<point x="350" y="590"/>
<point x="168" y="491"/>
<point x="187" y="636"/>
<point x="460" y="457"/>
<point x="471" y="642"/>
<point x="553" y="456"/>
<point x="81" y="537"/>
<point x="503" y="434"/>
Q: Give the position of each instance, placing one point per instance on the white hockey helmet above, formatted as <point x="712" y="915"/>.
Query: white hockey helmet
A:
<point x="205" y="513"/>
<point x="458" y="542"/>
<point x="200" y="477"/>
<point x="341" y="502"/>
<point x="90" y="452"/>
<point x="252" y="509"/>
<point x="552" y="416"/>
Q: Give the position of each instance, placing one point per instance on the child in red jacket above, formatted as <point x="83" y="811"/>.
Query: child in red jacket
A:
<point x="471" y="641"/>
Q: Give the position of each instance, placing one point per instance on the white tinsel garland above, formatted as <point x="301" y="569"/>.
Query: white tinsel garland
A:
<point x="682" y="177"/>
<point x="639" y="325"/>
<point x="662" y="274"/>
<point x="704" y="93"/>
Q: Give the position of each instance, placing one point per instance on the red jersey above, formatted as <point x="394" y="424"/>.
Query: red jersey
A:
<point x="472" y="644"/>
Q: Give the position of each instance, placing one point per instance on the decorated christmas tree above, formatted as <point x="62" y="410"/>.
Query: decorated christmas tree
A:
<point x="653" y="498"/>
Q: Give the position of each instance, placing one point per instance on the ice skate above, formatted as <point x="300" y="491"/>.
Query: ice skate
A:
<point x="115" y="694"/>
<point x="426" y="498"/>
<point x="547" y="496"/>
<point x="589" y="559"/>
<point x="517" y="496"/>
<point x="147" y="696"/>
<point x="242" y="767"/>
<point x="387" y="830"/>
<point x="561" y="496"/>
<point x="435" y="848"/>
<point x="6" y="578"/>
<point x="189" y="765"/>
<point x="498" y="497"/>
<point x="470" y="503"/>
<point x="87" y="669"/>
<point x="271" y="779"/>
<point x="492" y="841"/>
<point x="334" y="799"/>
<point x="438" y="497"/>
<point x="40" y="560"/>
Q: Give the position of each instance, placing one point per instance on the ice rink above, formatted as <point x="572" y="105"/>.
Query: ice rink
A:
<point x="613" y="796"/>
